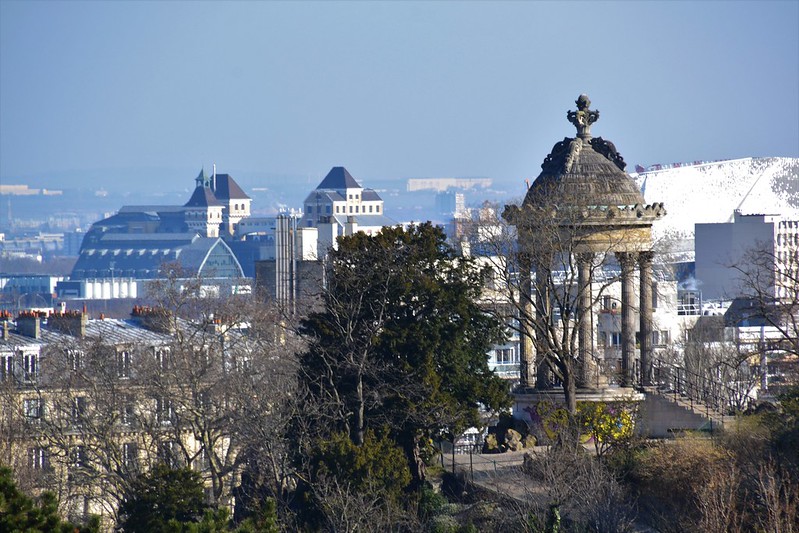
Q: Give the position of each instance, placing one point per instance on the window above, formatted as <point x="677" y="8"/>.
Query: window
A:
<point x="606" y="303"/>
<point x="356" y="208"/>
<point x="327" y="209"/>
<point x="164" y="411"/>
<point x="505" y="356"/>
<point x="78" y="409"/>
<point x="77" y="457"/>
<point x="123" y="364"/>
<point x="244" y="364"/>
<point x="38" y="458"/>
<point x="337" y="208"/>
<point x="377" y="208"/>
<point x="660" y="338"/>
<point x="34" y="409"/>
<point x="615" y="338"/>
<point x="6" y="367"/>
<point x="130" y="454"/>
<point x="30" y="367"/>
<point x="170" y="454"/>
<point x="310" y="210"/>
<point x="370" y="208"/>
<point x="350" y="209"/>
<point x="162" y="356"/>
<point x="127" y="414"/>
<point x="74" y="360"/>
<point x="201" y="461"/>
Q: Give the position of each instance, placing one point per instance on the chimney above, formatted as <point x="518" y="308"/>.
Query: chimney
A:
<point x="69" y="322"/>
<point x="351" y="227"/>
<point x="155" y="319"/>
<point x="29" y="323"/>
<point x="5" y="330"/>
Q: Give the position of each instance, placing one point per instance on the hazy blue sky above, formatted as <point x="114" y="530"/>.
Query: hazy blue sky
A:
<point x="388" y="89"/>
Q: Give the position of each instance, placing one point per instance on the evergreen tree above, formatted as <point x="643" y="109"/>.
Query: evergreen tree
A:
<point x="401" y="341"/>
<point x="19" y="512"/>
<point x="162" y="500"/>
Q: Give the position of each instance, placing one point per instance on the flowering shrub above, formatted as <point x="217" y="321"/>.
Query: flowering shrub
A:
<point x="607" y="423"/>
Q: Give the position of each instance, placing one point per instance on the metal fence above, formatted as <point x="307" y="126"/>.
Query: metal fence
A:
<point x="702" y="393"/>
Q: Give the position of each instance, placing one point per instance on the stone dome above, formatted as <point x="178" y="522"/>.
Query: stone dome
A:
<point x="584" y="171"/>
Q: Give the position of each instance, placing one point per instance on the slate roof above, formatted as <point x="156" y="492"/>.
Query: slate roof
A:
<point x="369" y="195"/>
<point x="152" y="209"/>
<point x="338" y="179"/>
<point x="366" y="220"/>
<point x="202" y="197"/>
<point x="141" y="255"/>
<point x="226" y="188"/>
<point x="150" y="237"/>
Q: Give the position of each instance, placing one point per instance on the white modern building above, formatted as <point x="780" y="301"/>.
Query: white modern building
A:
<point x="722" y="246"/>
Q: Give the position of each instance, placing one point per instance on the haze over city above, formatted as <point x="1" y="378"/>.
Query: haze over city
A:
<point x="134" y="95"/>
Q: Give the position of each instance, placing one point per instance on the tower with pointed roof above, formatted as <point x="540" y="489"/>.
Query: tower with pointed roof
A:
<point x="339" y="203"/>
<point x="217" y="205"/>
<point x="203" y="212"/>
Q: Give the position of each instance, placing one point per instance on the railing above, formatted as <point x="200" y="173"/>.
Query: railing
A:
<point x="506" y="370"/>
<point x="711" y="397"/>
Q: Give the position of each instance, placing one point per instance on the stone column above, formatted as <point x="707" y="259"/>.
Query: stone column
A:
<point x="526" y="334"/>
<point x="588" y="376"/>
<point x="645" y="310"/>
<point x="543" y="306"/>
<point x="627" y="261"/>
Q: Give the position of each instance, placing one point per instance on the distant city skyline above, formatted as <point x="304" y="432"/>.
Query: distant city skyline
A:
<point x="269" y="91"/>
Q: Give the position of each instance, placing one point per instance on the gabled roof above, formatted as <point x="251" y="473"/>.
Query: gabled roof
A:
<point x="226" y="188"/>
<point x="202" y="197"/>
<point x="338" y="179"/>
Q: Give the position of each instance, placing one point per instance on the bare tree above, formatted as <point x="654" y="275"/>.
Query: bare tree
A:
<point x="211" y="391"/>
<point x="770" y="280"/>
<point x="553" y="266"/>
<point x="225" y="386"/>
<point x="712" y="360"/>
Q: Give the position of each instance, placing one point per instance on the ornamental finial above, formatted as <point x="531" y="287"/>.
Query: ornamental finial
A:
<point x="583" y="117"/>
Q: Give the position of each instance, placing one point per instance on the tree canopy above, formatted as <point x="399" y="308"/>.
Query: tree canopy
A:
<point x="19" y="512"/>
<point x="401" y="341"/>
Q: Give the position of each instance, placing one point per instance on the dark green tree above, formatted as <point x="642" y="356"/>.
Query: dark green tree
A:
<point x="400" y="342"/>
<point x="164" y="499"/>
<point x="19" y="512"/>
